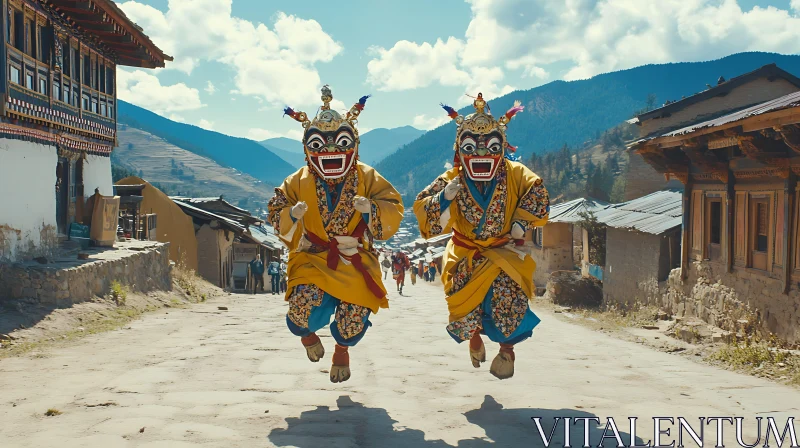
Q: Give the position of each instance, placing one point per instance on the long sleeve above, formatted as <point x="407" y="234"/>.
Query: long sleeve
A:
<point x="534" y="203"/>
<point x="280" y="207"/>
<point x="387" y="205"/>
<point x="429" y="207"/>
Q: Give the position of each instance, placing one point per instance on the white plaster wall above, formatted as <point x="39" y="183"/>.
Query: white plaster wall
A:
<point x="27" y="196"/>
<point x="97" y="174"/>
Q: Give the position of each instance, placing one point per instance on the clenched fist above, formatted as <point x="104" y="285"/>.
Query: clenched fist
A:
<point x="299" y="210"/>
<point x="362" y="204"/>
<point x="451" y="189"/>
<point x="517" y="232"/>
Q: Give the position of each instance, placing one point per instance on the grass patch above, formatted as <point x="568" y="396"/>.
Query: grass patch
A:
<point x="188" y="280"/>
<point x="52" y="412"/>
<point x="119" y="292"/>
<point x="761" y="360"/>
<point x="611" y="316"/>
<point x="113" y="320"/>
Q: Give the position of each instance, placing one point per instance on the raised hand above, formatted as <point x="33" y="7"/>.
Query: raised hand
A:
<point x="452" y="188"/>
<point x="299" y="210"/>
<point x="362" y="204"/>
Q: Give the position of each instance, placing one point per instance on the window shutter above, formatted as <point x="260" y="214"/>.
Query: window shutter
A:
<point x="697" y="223"/>
<point x="779" y="229"/>
<point x="740" y="240"/>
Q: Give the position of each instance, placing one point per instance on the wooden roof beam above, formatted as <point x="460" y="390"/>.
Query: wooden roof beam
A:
<point x="97" y="26"/>
<point x="791" y="136"/>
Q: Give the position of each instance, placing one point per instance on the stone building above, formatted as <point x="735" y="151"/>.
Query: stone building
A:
<point x="642" y="246"/>
<point x="58" y="113"/>
<point x="228" y="238"/>
<point x="554" y="245"/>
<point x="740" y="254"/>
<point x="764" y="84"/>
<point x="174" y="227"/>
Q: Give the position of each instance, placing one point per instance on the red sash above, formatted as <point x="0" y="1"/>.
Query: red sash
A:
<point x="334" y="254"/>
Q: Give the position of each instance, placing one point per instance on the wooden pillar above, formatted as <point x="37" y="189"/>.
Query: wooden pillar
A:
<point x="730" y="239"/>
<point x="687" y="225"/>
<point x="4" y="27"/>
<point x="788" y="241"/>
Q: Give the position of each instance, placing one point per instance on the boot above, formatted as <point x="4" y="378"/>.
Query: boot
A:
<point x="340" y="369"/>
<point x="477" y="351"/>
<point x="314" y="348"/>
<point x="503" y="363"/>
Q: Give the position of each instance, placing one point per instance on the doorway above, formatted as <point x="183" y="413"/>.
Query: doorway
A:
<point x="62" y="194"/>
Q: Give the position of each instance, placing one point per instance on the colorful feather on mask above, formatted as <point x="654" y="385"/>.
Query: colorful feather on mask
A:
<point x="450" y="111"/>
<point x="518" y="107"/>
<point x="362" y="102"/>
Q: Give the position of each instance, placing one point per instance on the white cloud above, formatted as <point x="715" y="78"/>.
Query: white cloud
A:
<point x="425" y="122"/>
<point x="259" y="134"/>
<point x="408" y="65"/>
<point x="590" y="36"/>
<point x="205" y="124"/>
<point x="144" y="89"/>
<point x="210" y="89"/>
<point x="276" y="65"/>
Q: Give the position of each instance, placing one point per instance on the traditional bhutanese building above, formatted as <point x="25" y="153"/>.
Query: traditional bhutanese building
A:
<point x="725" y="96"/>
<point x="58" y="113"/>
<point x="741" y="239"/>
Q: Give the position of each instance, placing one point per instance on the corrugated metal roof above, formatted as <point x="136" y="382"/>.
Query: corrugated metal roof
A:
<point x="569" y="211"/>
<point x="784" y="102"/>
<point x="266" y="235"/>
<point x="655" y="213"/>
<point x="436" y="239"/>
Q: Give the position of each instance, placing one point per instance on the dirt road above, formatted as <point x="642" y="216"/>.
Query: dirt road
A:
<point x="238" y="378"/>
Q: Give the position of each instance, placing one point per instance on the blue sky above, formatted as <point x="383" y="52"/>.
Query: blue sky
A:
<point x="237" y="63"/>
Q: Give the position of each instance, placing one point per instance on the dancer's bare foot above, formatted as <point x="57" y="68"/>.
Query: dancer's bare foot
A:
<point x="340" y="370"/>
<point x="314" y="348"/>
<point x="503" y="363"/>
<point x="477" y="351"/>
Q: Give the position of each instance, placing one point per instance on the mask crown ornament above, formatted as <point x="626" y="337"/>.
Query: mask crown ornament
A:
<point x="330" y="140"/>
<point x="481" y="139"/>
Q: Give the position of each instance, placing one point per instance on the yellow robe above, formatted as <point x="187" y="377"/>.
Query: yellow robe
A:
<point x="346" y="282"/>
<point x="519" y="196"/>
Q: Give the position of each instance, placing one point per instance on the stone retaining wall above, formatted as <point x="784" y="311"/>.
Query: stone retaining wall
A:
<point x="743" y="298"/>
<point x="141" y="266"/>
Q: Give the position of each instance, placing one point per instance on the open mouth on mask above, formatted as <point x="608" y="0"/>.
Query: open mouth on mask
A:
<point x="481" y="167"/>
<point x="332" y="164"/>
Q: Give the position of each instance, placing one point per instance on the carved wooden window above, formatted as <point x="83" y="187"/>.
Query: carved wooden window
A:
<point x="759" y="233"/>
<point x="762" y="230"/>
<point x="715" y="231"/>
<point x="14" y="73"/>
<point x="19" y="30"/>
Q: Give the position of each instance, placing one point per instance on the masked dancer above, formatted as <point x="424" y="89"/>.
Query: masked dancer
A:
<point x="329" y="214"/>
<point x="488" y="202"/>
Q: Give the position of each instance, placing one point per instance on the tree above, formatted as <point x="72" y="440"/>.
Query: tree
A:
<point x="597" y="237"/>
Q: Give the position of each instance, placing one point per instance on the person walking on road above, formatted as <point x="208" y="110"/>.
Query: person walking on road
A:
<point x="257" y="270"/>
<point x="386" y="265"/>
<point x="275" y="276"/>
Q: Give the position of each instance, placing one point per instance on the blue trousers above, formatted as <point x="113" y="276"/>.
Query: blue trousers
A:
<point x="321" y="315"/>
<point x="489" y="328"/>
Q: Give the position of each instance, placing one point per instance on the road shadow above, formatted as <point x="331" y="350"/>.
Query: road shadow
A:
<point x="354" y="424"/>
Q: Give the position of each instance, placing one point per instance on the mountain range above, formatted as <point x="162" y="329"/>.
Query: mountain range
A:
<point x="572" y="113"/>
<point x="238" y="153"/>
<point x="374" y="145"/>
<point x="556" y="114"/>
